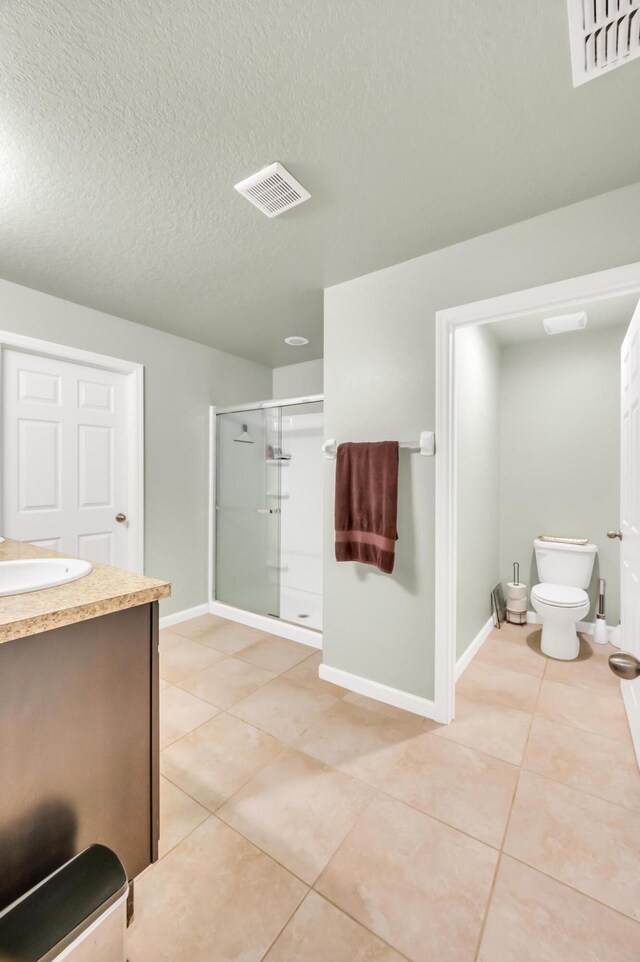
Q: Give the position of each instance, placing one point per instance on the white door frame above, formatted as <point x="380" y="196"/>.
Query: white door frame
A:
<point x="135" y="420"/>
<point x="618" y="280"/>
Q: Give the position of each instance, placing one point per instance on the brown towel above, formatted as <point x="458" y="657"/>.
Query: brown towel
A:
<point x="367" y="503"/>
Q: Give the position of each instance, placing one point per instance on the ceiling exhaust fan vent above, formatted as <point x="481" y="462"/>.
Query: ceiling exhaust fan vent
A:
<point x="273" y="190"/>
<point x="604" y="34"/>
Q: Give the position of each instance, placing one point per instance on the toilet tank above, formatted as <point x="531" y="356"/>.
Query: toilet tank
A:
<point x="565" y="564"/>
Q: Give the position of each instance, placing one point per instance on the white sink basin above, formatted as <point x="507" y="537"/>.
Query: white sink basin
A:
<point x="32" y="574"/>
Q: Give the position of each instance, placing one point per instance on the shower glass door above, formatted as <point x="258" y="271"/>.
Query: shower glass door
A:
<point x="301" y="517"/>
<point x="250" y="461"/>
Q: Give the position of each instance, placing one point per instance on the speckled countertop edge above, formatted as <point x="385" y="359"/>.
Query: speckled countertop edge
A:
<point x="101" y="592"/>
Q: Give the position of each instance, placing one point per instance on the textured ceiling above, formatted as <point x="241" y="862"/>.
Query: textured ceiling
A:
<point x="124" y="126"/>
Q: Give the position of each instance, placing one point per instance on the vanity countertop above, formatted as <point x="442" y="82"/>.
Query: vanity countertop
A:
<point x="101" y="592"/>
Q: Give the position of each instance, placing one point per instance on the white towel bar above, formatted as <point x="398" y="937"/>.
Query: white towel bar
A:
<point x="426" y="445"/>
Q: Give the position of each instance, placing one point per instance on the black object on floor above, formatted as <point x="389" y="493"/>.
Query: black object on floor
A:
<point x="49" y="917"/>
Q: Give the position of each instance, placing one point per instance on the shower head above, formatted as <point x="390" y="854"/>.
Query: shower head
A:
<point x="245" y="437"/>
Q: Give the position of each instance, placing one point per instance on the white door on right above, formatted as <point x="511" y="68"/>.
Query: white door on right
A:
<point x="630" y="515"/>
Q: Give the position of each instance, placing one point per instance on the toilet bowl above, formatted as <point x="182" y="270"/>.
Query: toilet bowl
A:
<point x="560" y="607"/>
<point x="560" y="598"/>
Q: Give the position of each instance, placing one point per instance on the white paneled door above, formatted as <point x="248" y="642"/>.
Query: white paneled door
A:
<point x="630" y="488"/>
<point x="65" y="457"/>
<point x="630" y="515"/>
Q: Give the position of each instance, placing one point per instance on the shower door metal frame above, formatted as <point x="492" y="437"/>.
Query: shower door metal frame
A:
<point x="273" y="403"/>
<point x="274" y="626"/>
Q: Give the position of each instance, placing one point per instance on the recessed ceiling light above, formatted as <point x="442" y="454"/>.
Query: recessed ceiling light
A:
<point x="565" y="322"/>
<point x="296" y="341"/>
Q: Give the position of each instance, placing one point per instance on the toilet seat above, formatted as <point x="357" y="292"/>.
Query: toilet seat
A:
<point x="559" y="596"/>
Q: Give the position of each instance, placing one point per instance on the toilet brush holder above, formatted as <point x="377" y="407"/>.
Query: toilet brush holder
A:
<point x="600" y="627"/>
<point x="600" y="631"/>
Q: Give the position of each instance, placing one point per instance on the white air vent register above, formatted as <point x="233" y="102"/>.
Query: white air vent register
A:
<point x="273" y="190"/>
<point x="604" y="34"/>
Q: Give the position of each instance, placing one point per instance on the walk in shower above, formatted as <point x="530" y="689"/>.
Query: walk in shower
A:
<point x="268" y="509"/>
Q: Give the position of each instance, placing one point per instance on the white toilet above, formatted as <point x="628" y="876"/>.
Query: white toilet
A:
<point x="560" y="599"/>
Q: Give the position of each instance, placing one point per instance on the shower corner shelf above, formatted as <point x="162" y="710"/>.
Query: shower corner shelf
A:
<point x="277" y="460"/>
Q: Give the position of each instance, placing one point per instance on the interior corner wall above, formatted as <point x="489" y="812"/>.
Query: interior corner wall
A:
<point x="298" y="380"/>
<point x="560" y="451"/>
<point x="477" y="439"/>
<point x="380" y="384"/>
<point x="182" y="379"/>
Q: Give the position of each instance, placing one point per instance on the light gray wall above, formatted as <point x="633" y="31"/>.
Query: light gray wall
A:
<point x="560" y="451"/>
<point x="296" y="380"/>
<point x="477" y="360"/>
<point x="182" y="379"/>
<point x="380" y="383"/>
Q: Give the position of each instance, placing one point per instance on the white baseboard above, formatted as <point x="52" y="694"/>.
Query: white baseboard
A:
<point x="178" y="616"/>
<point x="284" y="629"/>
<point x="631" y="698"/>
<point x="472" y="650"/>
<point x="616" y="636"/>
<point x="588" y="627"/>
<point x="376" y="690"/>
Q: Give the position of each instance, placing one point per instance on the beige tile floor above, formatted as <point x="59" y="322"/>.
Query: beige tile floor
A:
<point x="302" y="823"/>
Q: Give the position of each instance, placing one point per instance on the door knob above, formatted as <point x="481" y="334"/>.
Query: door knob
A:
<point x="614" y="534"/>
<point x="120" y="517"/>
<point x="624" y="665"/>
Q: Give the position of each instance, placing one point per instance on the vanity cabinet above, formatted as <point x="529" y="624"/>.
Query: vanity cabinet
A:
<point x="79" y="745"/>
